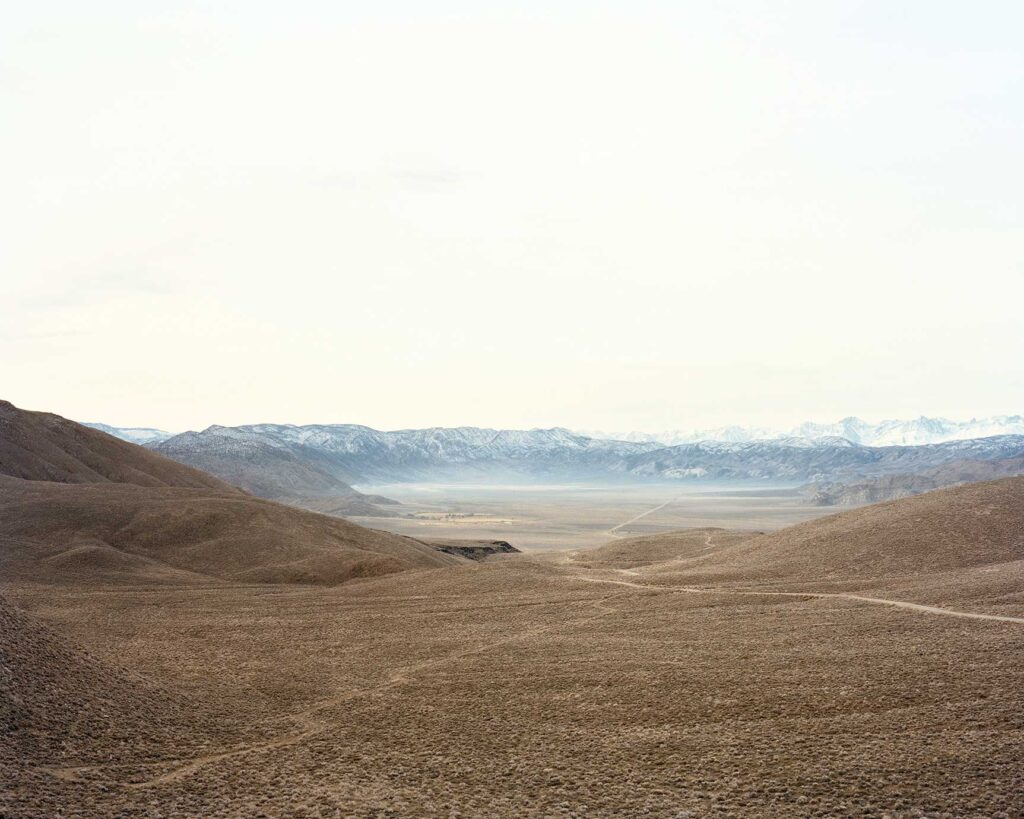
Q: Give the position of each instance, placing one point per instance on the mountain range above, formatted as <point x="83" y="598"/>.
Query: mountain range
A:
<point x="894" y="432"/>
<point x="314" y="459"/>
<point x="275" y="460"/>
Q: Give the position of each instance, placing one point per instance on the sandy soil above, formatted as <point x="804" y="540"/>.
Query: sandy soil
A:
<point x="522" y="687"/>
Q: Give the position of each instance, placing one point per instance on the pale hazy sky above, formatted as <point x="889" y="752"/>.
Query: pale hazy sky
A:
<point x="620" y="215"/>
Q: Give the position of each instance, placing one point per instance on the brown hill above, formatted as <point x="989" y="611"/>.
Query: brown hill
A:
<point x="65" y="532"/>
<point x="39" y="446"/>
<point x="967" y="528"/>
<point x="80" y="504"/>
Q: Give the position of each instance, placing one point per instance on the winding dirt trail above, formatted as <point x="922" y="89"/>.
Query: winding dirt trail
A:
<point x="900" y="604"/>
<point x="312" y="722"/>
<point x="309" y="718"/>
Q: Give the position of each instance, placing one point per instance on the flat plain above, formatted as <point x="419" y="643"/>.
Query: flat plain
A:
<point x="561" y="516"/>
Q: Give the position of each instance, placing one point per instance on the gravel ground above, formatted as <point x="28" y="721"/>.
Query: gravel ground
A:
<point x="513" y="688"/>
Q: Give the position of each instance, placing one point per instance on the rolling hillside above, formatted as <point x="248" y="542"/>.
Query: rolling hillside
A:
<point x="77" y="504"/>
<point x="74" y="531"/>
<point x="940" y="542"/>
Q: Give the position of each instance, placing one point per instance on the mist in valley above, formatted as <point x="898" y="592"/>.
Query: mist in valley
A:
<point x="577" y="515"/>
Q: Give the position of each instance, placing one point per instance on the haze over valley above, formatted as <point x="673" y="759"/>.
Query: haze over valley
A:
<point x="551" y="488"/>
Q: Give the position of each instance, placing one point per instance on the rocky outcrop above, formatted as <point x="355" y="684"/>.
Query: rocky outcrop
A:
<point x="473" y="549"/>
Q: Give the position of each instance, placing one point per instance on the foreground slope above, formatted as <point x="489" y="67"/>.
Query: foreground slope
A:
<point x="557" y="697"/>
<point x="62" y="707"/>
<point x="57" y="700"/>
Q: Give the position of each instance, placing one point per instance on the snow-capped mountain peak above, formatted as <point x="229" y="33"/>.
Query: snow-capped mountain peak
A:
<point x="892" y="432"/>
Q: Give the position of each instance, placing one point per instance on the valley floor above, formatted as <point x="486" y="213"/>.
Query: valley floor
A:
<point x="555" y="517"/>
<point x="550" y="685"/>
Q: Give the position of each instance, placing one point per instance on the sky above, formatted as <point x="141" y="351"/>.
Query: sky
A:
<point x="603" y="215"/>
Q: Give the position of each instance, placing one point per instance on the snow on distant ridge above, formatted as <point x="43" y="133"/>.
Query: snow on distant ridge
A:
<point x="361" y="455"/>
<point x="915" y="432"/>
<point x="134" y="435"/>
<point x="894" y="432"/>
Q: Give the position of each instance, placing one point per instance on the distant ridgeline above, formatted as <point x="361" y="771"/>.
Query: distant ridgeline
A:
<point x="321" y="458"/>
